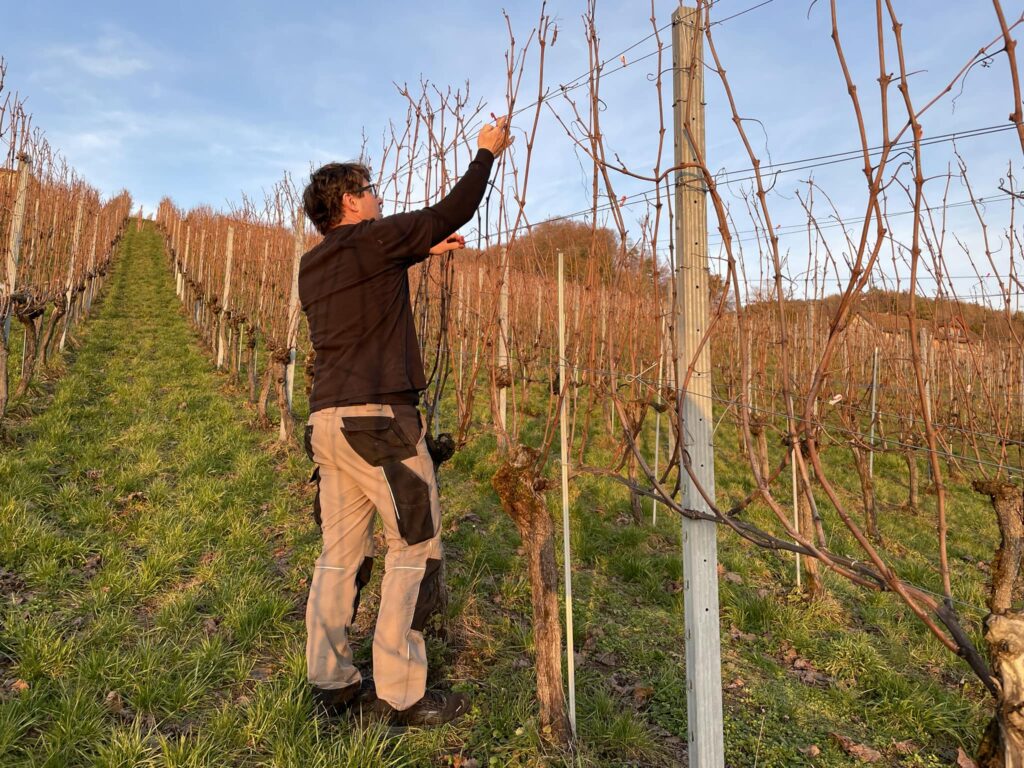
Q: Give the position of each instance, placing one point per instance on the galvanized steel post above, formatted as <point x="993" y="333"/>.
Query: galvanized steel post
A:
<point x="700" y="545"/>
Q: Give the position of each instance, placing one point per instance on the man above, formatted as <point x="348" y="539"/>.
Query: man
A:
<point x="366" y="436"/>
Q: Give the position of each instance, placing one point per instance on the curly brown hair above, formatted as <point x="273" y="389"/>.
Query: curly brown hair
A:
<point x="327" y="186"/>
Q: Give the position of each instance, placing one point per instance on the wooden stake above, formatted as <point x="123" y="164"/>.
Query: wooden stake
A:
<point x="14" y="239"/>
<point x="71" y="271"/>
<point x="197" y="309"/>
<point x="293" y="309"/>
<point x="874" y="413"/>
<point x="657" y="414"/>
<point x="503" y="331"/>
<point x="226" y="304"/>
<point x="178" y="271"/>
<point x="462" y="326"/>
<point x="924" y="343"/>
<point x="563" y="420"/>
<point x="796" y="508"/>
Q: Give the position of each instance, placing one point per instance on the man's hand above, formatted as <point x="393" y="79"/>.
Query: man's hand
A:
<point x="495" y="138"/>
<point x="451" y="243"/>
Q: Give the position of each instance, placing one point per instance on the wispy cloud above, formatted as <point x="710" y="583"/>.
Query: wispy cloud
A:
<point x="113" y="56"/>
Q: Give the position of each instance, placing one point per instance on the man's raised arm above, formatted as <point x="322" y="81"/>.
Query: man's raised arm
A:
<point x="461" y="203"/>
<point x="411" y="235"/>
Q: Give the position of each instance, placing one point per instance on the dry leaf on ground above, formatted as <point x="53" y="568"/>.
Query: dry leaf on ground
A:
<point x="853" y="749"/>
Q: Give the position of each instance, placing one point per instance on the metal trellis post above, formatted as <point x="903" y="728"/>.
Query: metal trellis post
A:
<point x="700" y="545"/>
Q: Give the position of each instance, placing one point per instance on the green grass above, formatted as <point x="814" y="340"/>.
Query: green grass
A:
<point x="157" y="546"/>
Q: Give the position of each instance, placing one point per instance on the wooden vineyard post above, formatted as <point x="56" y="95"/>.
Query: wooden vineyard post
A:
<point x="184" y="268"/>
<point x="796" y="505"/>
<point x="657" y="414"/>
<point x="293" y="319"/>
<point x="68" y="287"/>
<point x="503" y="363"/>
<point x="31" y="253"/>
<point x="263" y="277"/>
<point x="924" y="343"/>
<point x="183" y="265"/>
<point x="700" y="545"/>
<point x="461" y="313"/>
<point x="874" y="413"/>
<point x="84" y="302"/>
<point x="179" y="263"/>
<point x="10" y="277"/>
<point x="197" y="307"/>
<point x="91" y="274"/>
<point x="222" y="315"/>
<point x="253" y="363"/>
<point x="479" y="315"/>
<point x="563" y="421"/>
<point x="14" y="239"/>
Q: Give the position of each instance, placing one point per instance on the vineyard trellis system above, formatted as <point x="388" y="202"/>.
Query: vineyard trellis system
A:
<point x="58" y="237"/>
<point x="854" y="366"/>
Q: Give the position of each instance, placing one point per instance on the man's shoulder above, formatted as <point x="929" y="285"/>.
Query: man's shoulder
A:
<point x="391" y="242"/>
<point x="335" y="240"/>
<point x="347" y="253"/>
<point x="350" y="236"/>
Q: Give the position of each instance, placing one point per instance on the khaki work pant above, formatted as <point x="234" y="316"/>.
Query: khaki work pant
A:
<point x="373" y="456"/>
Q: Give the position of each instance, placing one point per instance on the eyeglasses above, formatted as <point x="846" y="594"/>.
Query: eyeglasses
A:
<point x="371" y="188"/>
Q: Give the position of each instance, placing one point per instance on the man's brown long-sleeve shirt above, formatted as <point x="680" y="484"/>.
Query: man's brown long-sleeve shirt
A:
<point x="354" y="289"/>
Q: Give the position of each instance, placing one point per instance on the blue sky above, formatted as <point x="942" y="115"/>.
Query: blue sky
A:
<point x="205" y="101"/>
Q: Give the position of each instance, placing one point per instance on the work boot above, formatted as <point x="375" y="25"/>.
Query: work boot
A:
<point x="335" y="702"/>
<point x="435" y="708"/>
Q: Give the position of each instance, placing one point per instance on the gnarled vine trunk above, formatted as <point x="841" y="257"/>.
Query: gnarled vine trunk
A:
<point x="59" y="310"/>
<point x="264" y="396"/>
<point x="758" y="430"/>
<point x="279" y="364"/>
<point x="1003" y="745"/>
<point x="519" y="488"/>
<point x="908" y="449"/>
<point x="28" y="319"/>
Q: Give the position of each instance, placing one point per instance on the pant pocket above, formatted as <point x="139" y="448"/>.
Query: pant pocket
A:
<point x="377" y="439"/>
<point x="411" y="495"/>
<point x="386" y="442"/>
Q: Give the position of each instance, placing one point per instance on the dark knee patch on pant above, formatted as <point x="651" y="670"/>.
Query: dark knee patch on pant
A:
<point x="317" y="518"/>
<point x="412" y="502"/>
<point x="429" y="595"/>
<point x="377" y="439"/>
<point x="362" y="579"/>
